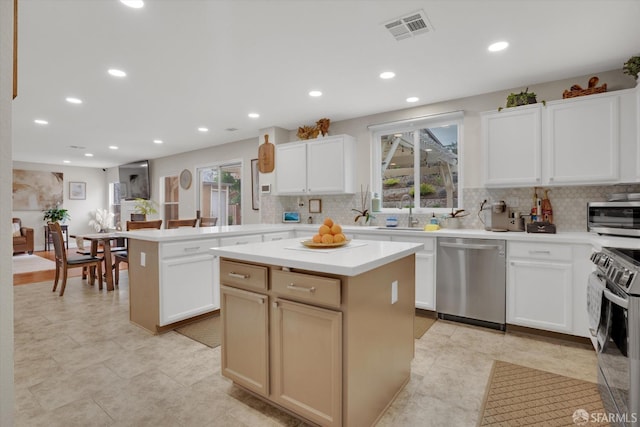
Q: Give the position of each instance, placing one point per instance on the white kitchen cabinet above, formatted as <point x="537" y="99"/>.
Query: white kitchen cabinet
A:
<point x="582" y="140"/>
<point x="540" y="286"/>
<point x="240" y="240"/>
<point x="320" y="166"/>
<point x="425" y="274"/>
<point x="269" y="237"/>
<point x="512" y="145"/>
<point x="357" y="235"/>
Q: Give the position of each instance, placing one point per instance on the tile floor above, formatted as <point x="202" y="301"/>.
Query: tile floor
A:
<point x="79" y="362"/>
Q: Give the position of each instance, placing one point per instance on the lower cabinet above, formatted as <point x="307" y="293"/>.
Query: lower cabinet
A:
<point x="425" y="271"/>
<point x="307" y="360"/>
<point x="540" y="286"/>
<point x="245" y="334"/>
<point x="187" y="287"/>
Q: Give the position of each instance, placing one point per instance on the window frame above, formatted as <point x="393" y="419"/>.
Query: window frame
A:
<point x="413" y="125"/>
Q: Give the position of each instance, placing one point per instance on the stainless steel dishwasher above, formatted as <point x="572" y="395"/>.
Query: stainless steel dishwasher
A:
<point x="471" y="281"/>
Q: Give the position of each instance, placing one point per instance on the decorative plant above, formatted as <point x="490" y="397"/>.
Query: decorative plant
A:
<point x="364" y="211"/>
<point x="56" y="215"/>
<point x="102" y="220"/>
<point x="523" y="98"/>
<point x="390" y="182"/>
<point x="145" y="207"/>
<point x="632" y="66"/>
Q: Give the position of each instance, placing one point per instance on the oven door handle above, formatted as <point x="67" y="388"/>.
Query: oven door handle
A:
<point x="616" y="299"/>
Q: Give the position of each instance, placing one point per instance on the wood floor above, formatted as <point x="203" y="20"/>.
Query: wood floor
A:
<point x="46" y="275"/>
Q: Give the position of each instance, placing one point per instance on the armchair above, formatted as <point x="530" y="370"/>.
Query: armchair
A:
<point x="22" y="237"/>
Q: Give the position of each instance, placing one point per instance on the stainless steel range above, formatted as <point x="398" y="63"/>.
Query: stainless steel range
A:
<point x="614" y="311"/>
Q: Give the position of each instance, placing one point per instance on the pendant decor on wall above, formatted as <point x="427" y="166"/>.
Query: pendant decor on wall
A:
<point x="266" y="156"/>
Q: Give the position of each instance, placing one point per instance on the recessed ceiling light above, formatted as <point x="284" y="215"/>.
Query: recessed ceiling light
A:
<point x="66" y="161"/>
<point x="73" y="100"/>
<point x="157" y="141"/>
<point x="498" y="46"/>
<point x="136" y="4"/>
<point x="203" y="129"/>
<point x="113" y="147"/>
<point x="41" y="122"/>
<point x="88" y="155"/>
<point x="117" y="73"/>
<point x="387" y="75"/>
<point x="315" y="93"/>
<point x="413" y="99"/>
<point x="254" y="115"/>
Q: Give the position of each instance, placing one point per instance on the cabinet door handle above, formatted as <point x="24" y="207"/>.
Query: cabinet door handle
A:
<point x="540" y="252"/>
<point x="294" y="287"/>
<point x="193" y="249"/>
<point x="242" y="243"/>
<point x="239" y="275"/>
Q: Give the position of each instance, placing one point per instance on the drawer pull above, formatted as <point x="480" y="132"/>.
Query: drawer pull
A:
<point x="192" y="249"/>
<point x="239" y="275"/>
<point x="301" y="288"/>
<point x="540" y="252"/>
<point x="242" y="243"/>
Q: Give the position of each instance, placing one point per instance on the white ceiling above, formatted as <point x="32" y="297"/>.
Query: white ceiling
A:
<point x="209" y="63"/>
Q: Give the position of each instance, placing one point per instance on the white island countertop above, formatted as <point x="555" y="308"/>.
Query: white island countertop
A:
<point x="355" y="258"/>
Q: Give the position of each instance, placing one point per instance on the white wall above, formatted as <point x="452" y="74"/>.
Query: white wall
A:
<point x="80" y="210"/>
<point x="242" y="151"/>
<point x="6" y="243"/>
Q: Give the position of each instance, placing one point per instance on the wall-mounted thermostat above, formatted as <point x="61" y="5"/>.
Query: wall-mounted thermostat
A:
<point x="265" y="188"/>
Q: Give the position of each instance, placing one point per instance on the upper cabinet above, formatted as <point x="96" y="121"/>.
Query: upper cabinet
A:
<point x="585" y="140"/>
<point x="512" y="134"/>
<point x="320" y="166"/>
<point x="582" y="137"/>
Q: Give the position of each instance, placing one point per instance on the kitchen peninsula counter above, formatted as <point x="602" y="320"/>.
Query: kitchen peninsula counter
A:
<point x="324" y="333"/>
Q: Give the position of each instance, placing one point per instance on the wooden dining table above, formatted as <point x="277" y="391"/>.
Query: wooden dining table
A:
<point x="105" y="239"/>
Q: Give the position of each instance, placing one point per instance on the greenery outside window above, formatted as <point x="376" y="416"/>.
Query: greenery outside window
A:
<point x="418" y="161"/>
<point x="220" y="193"/>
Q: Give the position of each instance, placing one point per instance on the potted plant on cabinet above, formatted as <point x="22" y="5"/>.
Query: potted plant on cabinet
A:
<point x="632" y="66"/>
<point x="143" y="207"/>
<point x="56" y="214"/>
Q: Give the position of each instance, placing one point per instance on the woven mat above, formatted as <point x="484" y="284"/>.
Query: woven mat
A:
<point x="521" y="396"/>
<point x="205" y="331"/>
<point x="28" y="263"/>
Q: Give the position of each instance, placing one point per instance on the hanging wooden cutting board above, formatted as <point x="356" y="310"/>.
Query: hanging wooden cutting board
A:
<point x="266" y="156"/>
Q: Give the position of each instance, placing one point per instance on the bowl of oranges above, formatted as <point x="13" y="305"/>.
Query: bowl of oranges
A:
<point x="329" y="236"/>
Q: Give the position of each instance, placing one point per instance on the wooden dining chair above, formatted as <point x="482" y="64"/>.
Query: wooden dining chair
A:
<point x="63" y="263"/>
<point x="123" y="256"/>
<point x="177" y="223"/>
<point x="208" y="221"/>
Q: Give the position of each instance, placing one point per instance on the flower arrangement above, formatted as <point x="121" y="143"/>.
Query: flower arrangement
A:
<point x="102" y="220"/>
<point x="364" y="211"/>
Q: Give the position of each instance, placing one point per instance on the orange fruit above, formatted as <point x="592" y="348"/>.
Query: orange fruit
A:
<point x="327" y="238"/>
<point x="338" y="238"/>
<point x="336" y="229"/>
<point x="324" y="229"/>
<point x="328" y="222"/>
<point x="317" y="238"/>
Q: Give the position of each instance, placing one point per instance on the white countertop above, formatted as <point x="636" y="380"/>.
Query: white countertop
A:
<point x="357" y="257"/>
<point x="182" y="234"/>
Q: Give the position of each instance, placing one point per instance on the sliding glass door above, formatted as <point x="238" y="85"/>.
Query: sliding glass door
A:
<point x="220" y="193"/>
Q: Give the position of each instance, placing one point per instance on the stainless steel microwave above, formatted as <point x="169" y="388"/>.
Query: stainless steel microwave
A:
<point x="619" y="218"/>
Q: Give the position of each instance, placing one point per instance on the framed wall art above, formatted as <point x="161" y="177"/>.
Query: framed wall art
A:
<point x="77" y="190"/>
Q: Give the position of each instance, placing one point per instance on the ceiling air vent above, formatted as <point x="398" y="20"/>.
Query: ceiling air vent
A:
<point x="408" y="26"/>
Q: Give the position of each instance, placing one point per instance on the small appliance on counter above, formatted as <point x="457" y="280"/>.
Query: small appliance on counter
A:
<point x="499" y="216"/>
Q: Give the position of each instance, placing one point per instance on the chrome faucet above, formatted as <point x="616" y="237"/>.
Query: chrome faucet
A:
<point x="412" y="221"/>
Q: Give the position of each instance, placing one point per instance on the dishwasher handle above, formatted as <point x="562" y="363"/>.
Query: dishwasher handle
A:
<point x="477" y="246"/>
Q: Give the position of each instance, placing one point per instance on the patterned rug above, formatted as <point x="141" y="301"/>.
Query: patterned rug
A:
<point x="207" y="331"/>
<point x="519" y="396"/>
<point x="28" y="263"/>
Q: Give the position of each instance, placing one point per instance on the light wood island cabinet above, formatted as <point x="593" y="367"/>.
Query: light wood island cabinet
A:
<point x="333" y="348"/>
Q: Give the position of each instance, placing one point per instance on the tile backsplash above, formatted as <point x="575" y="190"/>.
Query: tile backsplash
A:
<point x="569" y="205"/>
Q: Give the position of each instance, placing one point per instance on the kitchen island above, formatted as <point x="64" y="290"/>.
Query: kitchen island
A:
<point x="326" y="334"/>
